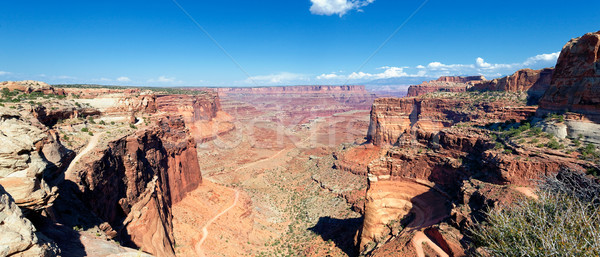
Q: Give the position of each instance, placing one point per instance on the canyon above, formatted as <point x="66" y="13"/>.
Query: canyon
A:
<point x="286" y="171"/>
<point x="441" y="158"/>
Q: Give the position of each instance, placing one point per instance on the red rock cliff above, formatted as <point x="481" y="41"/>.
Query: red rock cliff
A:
<point x="525" y="80"/>
<point x="202" y="113"/>
<point x="192" y="107"/>
<point x="133" y="183"/>
<point x="391" y="118"/>
<point x="575" y="84"/>
<point x="458" y="79"/>
<point x="443" y="84"/>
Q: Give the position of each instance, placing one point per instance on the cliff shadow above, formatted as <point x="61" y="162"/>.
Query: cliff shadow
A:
<point x="68" y="216"/>
<point x="342" y="232"/>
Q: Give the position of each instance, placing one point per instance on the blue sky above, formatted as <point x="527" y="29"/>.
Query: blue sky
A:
<point x="280" y="42"/>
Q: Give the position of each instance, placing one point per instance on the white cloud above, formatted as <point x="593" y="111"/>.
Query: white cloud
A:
<point x="437" y="69"/>
<point x="542" y="58"/>
<point x="4" y="73"/>
<point x="165" y="80"/>
<point x="123" y="79"/>
<point x="481" y="63"/>
<point x="338" y="7"/>
<point x="328" y="76"/>
<point x="283" y="78"/>
<point x="388" y="72"/>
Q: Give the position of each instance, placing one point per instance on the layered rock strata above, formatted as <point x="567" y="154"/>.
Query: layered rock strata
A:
<point x="525" y="80"/>
<point x="202" y="113"/>
<point x="575" y="88"/>
<point x="392" y="118"/>
<point x="133" y="183"/>
<point x="444" y="84"/>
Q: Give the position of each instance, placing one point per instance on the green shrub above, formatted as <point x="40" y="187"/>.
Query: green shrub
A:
<point x="589" y="151"/>
<point x="90" y="133"/>
<point x="536" y="131"/>
<point x="132" y="126"/>
<point x="534" y="141"/>
<point x="84" y="130"/>
<point x="563" y="221"/>
<point x="102" y="122"/>
<point x="498" y="146"/>
<point x="553" y="144"/>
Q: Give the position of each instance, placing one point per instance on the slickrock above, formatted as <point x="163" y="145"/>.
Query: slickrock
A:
<point x="22" y="161"/>
<point x="18" y="235"/>
<point x="142" y="103"/>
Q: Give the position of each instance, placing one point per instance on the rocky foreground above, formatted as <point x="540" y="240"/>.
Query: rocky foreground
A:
<point x="87" y="165"/>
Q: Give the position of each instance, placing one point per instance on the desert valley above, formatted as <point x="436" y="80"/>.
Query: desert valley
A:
<point x="90" y="170"/>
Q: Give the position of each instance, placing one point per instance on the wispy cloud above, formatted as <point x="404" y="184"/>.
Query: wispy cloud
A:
<point x="165" y="80"/>
<point x="282" y="78"/>
<point x="123" y="79"/>
<point x="4" y="73"/>
<point x="337" y="7"/>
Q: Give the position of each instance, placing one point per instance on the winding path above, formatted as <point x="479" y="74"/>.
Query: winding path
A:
<point x="198" y="245"/>
<point x="419" y="239"/>
<point x="91" y="145"/>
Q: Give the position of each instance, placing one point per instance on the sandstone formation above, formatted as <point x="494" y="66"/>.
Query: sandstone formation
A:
<point x="574" y="89"/>
<point x="142" y="103"/>
<point x="435" y="86"/>
<point x="391" y="118"/>
<point x="534" y="82"/>
<point x="459" y="79"/>
<point x="31" y="86"/>
<point x="22" y="161"/>
<point x="441" y="165"/>
<point x="202" y="113"/>
<point x="416" y="184"/>
<point x="19" y="236"/>
<point x="525" y="80"/>
<point x="576" y="80"/>
<point x="444" y="84"/>
<point x="133" y="183"/>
